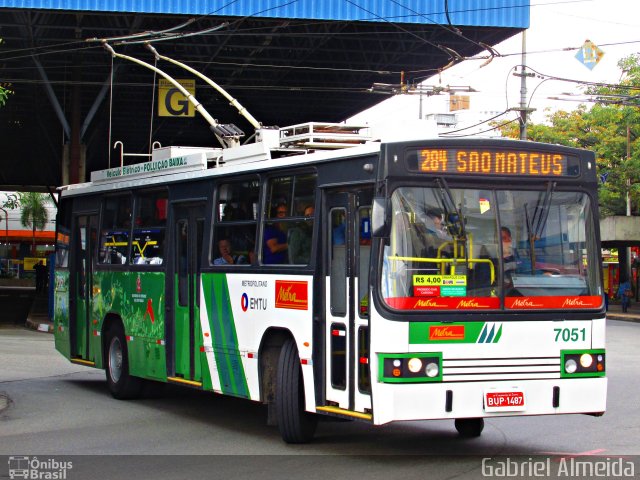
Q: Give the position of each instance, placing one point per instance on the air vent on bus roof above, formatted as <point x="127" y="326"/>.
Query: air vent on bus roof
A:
<point x="323" y="135"/>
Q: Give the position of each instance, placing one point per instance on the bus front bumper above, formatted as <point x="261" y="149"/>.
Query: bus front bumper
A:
<point x="424" y="401"/>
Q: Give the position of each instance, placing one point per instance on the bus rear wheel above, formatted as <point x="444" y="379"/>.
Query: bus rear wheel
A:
<point x="469" y="427"/>
<point x="294" y="423"/>
<point x="121" y="385"/>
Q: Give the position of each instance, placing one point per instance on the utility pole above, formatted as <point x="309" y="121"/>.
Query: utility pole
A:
<point x="628" y="184"/>
<point x="628" y="179"/>
<point x="524" y="111"/>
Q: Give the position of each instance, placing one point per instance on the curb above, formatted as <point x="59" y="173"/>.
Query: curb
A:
<point x="45" y="326"/>
<point x="624" y="318"/>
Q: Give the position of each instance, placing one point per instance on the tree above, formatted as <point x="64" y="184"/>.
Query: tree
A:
<point x="4" y="90"/>
<point x="4" y="94"/>
<point x="604" y="129"/>
<point x="11" y="202"/>
<point x="34" y="213"/>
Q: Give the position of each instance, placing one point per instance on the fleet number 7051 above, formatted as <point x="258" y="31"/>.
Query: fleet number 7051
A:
<point x="570" y="334"/>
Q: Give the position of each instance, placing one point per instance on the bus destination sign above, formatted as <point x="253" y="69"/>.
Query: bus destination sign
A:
<point x="478" y="161"/>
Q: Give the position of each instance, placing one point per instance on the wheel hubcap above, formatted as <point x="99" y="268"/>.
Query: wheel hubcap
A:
<point x="115" y="359"/>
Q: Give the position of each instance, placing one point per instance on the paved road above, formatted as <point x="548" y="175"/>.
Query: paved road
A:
<point x="57" y="408"/>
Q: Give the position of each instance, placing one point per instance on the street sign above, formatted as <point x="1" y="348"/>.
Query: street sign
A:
<point x="589" y="54"/>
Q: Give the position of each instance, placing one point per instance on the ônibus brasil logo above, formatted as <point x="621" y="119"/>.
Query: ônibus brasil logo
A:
<point x="34" y="468"/>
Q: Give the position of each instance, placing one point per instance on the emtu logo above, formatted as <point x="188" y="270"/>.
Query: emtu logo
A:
<point x="244" y="302"/>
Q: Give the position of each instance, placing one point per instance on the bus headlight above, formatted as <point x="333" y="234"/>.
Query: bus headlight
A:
<point x="570" y="366"/>
<point x="586" y="360"/>
<point x="583" y="363"/>
<point x="410" y="367"/>
<point x="414" y="365"/>
<point x="432" y="370"/>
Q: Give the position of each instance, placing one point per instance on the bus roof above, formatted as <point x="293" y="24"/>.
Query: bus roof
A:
<point x="290" y="146"/>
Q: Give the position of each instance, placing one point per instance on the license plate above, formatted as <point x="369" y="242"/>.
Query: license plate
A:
<point x="504" y="400"/>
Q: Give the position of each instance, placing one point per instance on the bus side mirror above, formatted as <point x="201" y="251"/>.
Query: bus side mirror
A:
<point x="379" y="227"/>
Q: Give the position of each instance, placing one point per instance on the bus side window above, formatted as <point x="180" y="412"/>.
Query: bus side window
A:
<point x="300" y="237"/>
<point x="115" y="230"/>
<point x="289" y="219"/>
<point x="150" y="221"/>
<point x="235" y="223"/>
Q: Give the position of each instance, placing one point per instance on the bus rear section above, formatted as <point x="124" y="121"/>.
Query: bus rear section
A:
<point x="488" y="299"/>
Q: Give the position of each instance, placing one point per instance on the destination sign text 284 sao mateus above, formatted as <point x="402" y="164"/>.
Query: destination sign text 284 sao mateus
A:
<point x="492" y="162"/>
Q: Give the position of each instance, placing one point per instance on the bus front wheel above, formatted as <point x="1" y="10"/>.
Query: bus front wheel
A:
<point x="121" y="385"/>
<point x="294" y="423"/>
<point x="469" y="427"/>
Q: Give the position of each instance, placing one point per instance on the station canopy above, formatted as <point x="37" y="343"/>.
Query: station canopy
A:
<point x="287" y="62"/>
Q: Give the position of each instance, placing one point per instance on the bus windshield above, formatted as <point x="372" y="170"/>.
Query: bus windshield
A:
<point x="464" y="248"/>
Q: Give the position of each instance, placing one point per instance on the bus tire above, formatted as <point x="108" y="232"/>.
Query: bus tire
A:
<point x="121" y="385"/>
<point x="469" y="427"/>
<point x="295" y="424"/>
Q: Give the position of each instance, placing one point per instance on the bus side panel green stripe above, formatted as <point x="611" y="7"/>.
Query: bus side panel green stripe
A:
<point x="225" y="339"/>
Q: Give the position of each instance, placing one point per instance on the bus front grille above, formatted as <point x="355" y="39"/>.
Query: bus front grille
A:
<point x="483" y="369"/>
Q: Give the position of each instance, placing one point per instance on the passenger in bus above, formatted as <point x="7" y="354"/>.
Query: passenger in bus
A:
<point x="509" y="261"/>
<point x="437" y="228"/>
<point x="227" y="256"/>
<point x="275" y="239"/>
<point x="300" y="239"/>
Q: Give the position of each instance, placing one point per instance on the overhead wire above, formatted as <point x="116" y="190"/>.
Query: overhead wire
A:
<point x="450" y="29"/>
<point x="383" y="72"/>
<point x="444" y="134"/>
<point x="456" y="57"/>
<point x="479" y="123"/>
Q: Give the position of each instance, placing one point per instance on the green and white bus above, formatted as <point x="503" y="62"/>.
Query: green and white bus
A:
<point x="376" y="281"/>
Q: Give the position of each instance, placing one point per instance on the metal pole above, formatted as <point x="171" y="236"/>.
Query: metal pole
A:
<point x="628" y="183"/>
<point x="523" y="89"/>
<point x="6" y="231"/>
<point x="628" y="179"/>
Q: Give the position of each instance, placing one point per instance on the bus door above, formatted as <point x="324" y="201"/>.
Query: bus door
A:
<point x="348" y="382"/>
<point x="81" y="286"/>
<point x="188" y="232"/>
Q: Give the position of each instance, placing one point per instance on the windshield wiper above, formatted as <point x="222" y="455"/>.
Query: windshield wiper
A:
<point x="543" y="211"/>
<point x="453" y="215"/>
<point x="540" y="216"/>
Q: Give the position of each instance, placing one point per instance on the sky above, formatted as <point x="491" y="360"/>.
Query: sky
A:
<point x="554" y="25"/>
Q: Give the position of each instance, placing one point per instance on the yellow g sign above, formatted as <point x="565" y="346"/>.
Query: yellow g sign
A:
<point x="171" y="102"/>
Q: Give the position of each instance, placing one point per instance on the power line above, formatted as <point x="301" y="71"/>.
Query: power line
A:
<point x="478" y="124"/>
<point x="444" y="134"/>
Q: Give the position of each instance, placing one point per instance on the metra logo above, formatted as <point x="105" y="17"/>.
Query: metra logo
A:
<point x="470" y="304"/>
<point x="525" y="303"/>
<point x="449" y="332"/>
<point x="428" y="304"/>
<point x="292" y="295"/>
<point x="575" y="302"/>
<point x="251" y="303"/>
